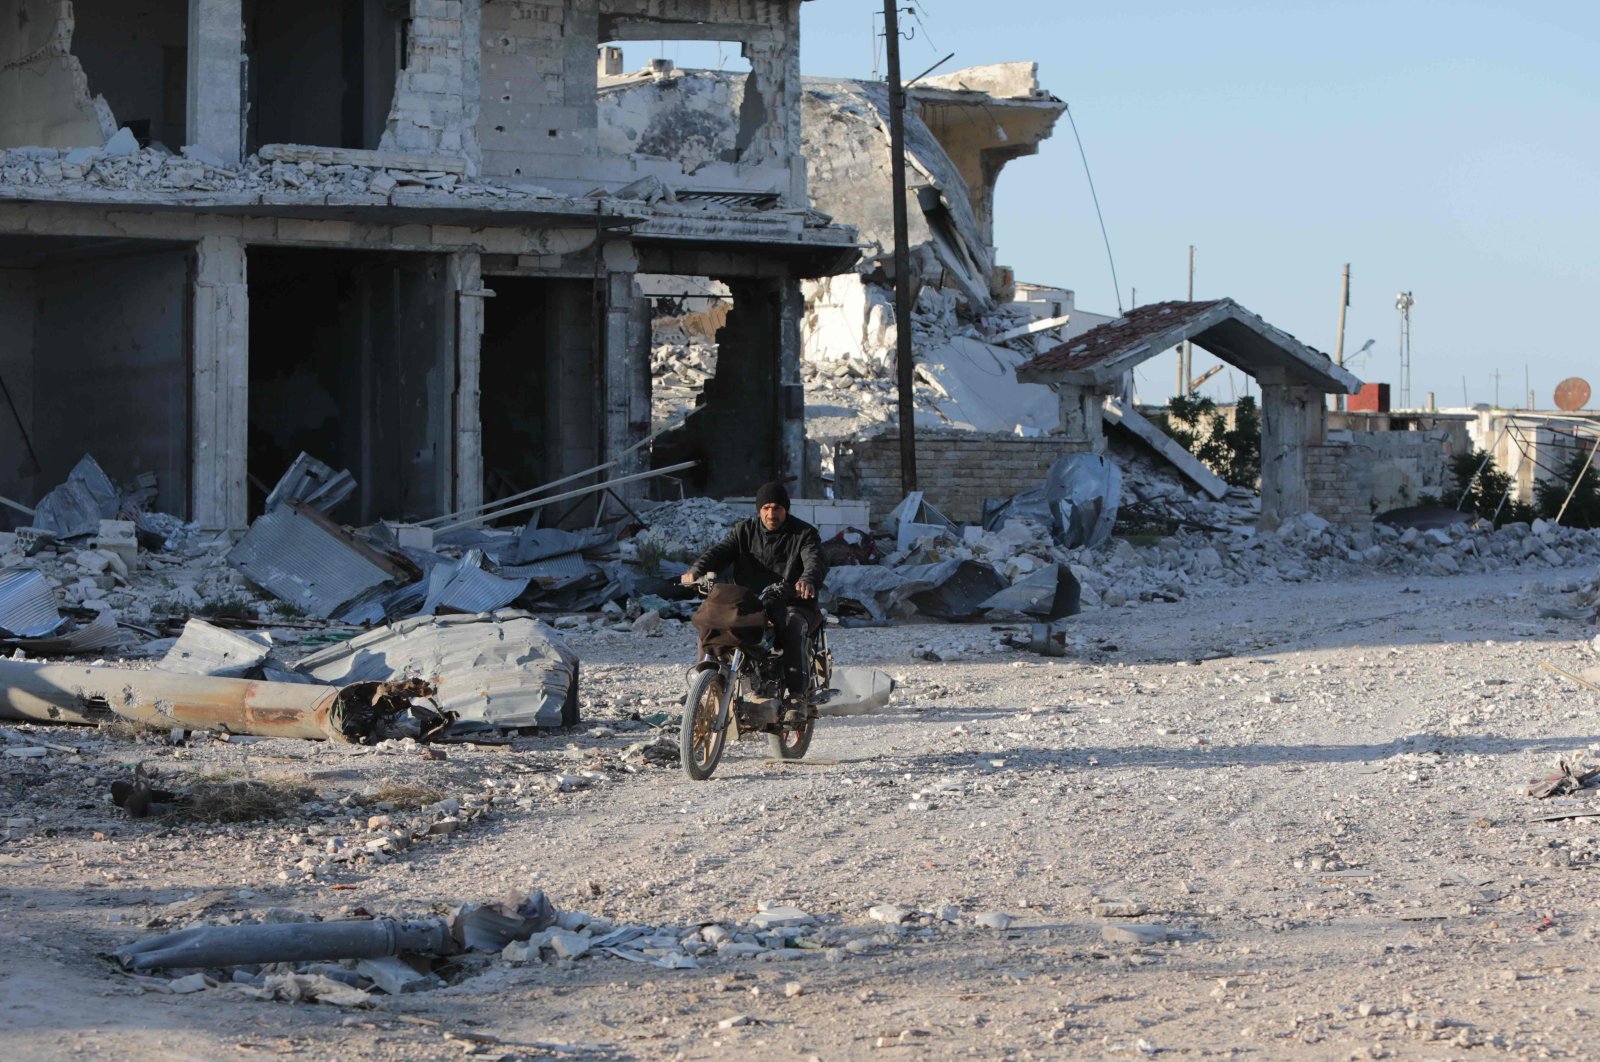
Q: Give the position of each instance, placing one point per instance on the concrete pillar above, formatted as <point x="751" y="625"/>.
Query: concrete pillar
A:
<point x="791" y="391"/>
<point x="1081" y="420"/>
<point x="216" y="89"/>
<point x="618" y="357"/>
<point x="1292" y="419"/>
<point x="466" y="282"/>
<point x="221" y="382"/>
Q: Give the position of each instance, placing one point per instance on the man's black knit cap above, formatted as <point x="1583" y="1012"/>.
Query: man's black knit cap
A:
<point x="772" y="494"/>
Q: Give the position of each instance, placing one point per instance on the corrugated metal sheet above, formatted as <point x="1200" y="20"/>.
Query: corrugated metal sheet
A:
<point x="203" y="649"/>
<point x="314" y="483"/>
<point x="465" y="587"/>
<point x="555" y="573"/>
<point x="297" y="560"/>
<point x="27" y="604"/>
<point x="99" y="633"/>
<point x="507" y="669"/>
<point x="539" y="543"/>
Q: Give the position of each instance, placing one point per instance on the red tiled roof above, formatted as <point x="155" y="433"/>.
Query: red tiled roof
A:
<point x="1098" y="344"/>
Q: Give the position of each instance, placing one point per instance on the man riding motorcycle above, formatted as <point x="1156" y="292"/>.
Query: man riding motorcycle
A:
<point x="774" y="547"/>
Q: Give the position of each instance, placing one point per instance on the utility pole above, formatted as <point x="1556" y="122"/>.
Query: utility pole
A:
<point x="902" y="259"/>
<point x="1338" y="349"/>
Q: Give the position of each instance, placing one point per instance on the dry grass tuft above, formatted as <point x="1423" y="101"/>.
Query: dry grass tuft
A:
<point x="406" y="797"/>
<point x="225" y="798"/>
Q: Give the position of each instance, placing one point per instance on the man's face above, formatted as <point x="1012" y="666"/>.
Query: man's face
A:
<point x="773" y="515"/>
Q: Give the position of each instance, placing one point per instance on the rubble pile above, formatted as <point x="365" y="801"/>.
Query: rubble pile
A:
<point x="292" y="957"/>
<point x="123" y="166"/>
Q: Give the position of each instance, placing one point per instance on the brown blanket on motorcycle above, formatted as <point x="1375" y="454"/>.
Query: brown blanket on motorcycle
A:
<point x="731" y="617"/>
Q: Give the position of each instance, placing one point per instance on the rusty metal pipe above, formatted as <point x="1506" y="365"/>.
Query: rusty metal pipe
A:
<point x="71" y="693"/>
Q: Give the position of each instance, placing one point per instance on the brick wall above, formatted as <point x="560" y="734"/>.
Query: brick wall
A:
<point x="956" y="470"/>
<point x="1350" y="480"/>
<point x="430" y="113"/>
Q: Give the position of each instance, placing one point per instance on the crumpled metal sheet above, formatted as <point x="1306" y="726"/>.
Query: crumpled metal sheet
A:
<point x="856" y="691"/>
<point x="27" y="604"/>
<point x="875" y="589"/>
<point x="465" y="587"/>
<point x="76" y="507"/>
<point x="296" y="559"/>
<point x="505" y="669"/>
<point x="916" y="518"/>
<point x="553" y="573"/>
<point x="1049" y="594"/>
<point x="539" y="543"/>
<point x="312" y="483"/>
<point x="99" y="633"/>
<point x="951" y="590"/>
<point x="204" y="649"/>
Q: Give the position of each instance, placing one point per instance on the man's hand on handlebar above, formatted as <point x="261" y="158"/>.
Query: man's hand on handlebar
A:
<point x="689" y="579"/>
<point x="806" y="591"/>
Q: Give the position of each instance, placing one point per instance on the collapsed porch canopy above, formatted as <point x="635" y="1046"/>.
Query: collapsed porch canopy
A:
<point x="1099" y="357"/>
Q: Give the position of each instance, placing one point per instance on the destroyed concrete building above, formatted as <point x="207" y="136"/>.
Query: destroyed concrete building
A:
<point x="962" y="129"/>
<point x="393" y="233"/>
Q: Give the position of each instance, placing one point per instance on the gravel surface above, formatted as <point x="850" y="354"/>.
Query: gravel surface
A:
<point x="1272" y="821"/>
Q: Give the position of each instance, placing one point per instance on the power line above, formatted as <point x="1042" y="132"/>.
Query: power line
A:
<point x="1115" y="285"/>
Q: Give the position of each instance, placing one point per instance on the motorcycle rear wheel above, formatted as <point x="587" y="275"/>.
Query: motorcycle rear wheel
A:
<point x="791" y="743"/>
<point x="700" y="739"/>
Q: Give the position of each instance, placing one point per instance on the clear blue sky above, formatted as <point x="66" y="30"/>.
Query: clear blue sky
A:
<point x="1447" y="148"/>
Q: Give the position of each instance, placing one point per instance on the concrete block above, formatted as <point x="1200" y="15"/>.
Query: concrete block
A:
<point x="119" y="537"/>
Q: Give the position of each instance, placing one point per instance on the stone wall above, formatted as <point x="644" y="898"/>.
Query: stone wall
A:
<point x="956" y="470"/>
<point x="1360" y="473"/>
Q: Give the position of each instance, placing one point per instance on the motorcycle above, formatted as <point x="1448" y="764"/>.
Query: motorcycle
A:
<point x="738" y="689"/>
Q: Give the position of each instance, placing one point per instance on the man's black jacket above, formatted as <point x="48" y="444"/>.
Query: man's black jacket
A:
<point x="761" y="557"/>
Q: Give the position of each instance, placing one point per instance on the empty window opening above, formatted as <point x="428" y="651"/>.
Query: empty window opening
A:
<point x="136" y="55"/>
<point x="352" y="361"/>
<point x="540" y="406"/>
<point x="95" y="360"/>
<point x="322" y="73"/>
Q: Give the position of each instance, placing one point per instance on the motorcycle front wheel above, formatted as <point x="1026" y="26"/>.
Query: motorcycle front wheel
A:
<point x="700" y="739"/>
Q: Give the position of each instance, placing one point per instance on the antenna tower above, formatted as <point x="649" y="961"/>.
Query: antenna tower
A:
<point x="1403" y="302"/>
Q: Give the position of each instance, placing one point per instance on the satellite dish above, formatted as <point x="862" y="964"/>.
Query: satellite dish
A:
<point x="1572" y="394"/>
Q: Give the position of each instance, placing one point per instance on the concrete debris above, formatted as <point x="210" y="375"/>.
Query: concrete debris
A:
<point x="501" y="669"/>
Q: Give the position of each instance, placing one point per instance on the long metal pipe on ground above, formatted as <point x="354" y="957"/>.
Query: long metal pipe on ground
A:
<point x="206" y="946"/>
<point x="72" y="693"/>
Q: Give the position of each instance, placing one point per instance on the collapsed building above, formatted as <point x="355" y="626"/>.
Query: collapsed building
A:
<point x="393" y="233"/>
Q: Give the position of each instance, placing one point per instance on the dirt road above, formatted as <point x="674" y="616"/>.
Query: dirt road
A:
<point x="1316" y="792"/>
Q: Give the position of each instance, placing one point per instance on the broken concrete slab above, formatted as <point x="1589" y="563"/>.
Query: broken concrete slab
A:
<point x="1124" y="414"/>
<point x="503" y="669"/>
